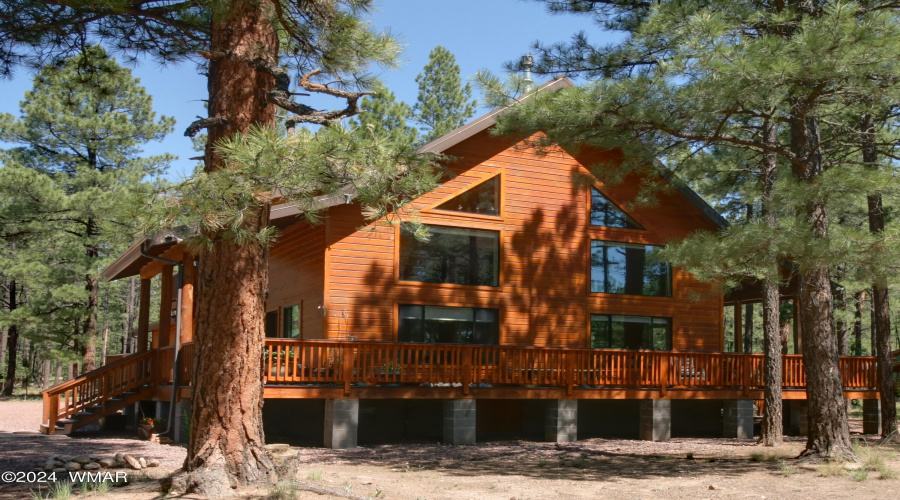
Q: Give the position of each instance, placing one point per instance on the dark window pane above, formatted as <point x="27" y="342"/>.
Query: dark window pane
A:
<point x="629" y="269"/>
<point x="606" y="213"/>
<point x="448" y="325"/>
<point x="481" y="199"/>
<point x="292" y="321"/>
<point x="600" y="332"/>
<point x="451" y="255"/>
<point x="272" y="324"/>
<point x="410" y="328"/>
<point x="630" y="332"/>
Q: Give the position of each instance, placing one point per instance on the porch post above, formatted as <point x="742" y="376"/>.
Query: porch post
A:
<point x="459" y="421"/>
<point x="738" y="421"/>
<point x="561" y="421"/>
<point x="143" y="329"/>
<point x="187" y="300"/>
<point x="341" y="423"/>
<point x="655" y="420"/>
<point x="165" y="307"/>
<point x="738" y="327"/>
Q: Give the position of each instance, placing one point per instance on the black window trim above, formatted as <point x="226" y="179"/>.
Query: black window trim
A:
<point x="400" y="304"/>
<point x="670" y="340"/>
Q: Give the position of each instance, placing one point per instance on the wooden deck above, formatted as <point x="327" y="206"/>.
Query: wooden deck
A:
<point x="312" y="369"/>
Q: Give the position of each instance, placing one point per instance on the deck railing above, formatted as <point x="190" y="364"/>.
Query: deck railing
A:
<point x="351" y="363"/>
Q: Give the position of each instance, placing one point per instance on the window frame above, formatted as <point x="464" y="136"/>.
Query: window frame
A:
<point x="400" y="303"/>
<point x="590" y="225"/>
<point x="469" y="225"/>
<point x="590" y="268"/>
<point x="670" y="334"/>
<point x="478" y="179"/>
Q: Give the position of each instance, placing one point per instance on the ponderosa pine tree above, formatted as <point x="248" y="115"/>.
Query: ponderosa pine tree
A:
<point x="84" y="123"/>
<point x="251" y="49"/>
<point x="444" y="103"/>
<point x="382" y="115"/>
<point x="690" y="76"/>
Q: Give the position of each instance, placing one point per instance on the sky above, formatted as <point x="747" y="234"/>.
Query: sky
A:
<point x="482" y="34"/>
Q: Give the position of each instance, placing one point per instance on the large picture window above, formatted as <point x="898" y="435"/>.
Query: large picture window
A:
<point x="630" y="332"/>
<point x="451" y="255"/>
<point x="629" y="269"/>
<point x="448" y="325"/>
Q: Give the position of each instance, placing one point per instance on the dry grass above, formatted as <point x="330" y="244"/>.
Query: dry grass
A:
<point x="831" y="469"/>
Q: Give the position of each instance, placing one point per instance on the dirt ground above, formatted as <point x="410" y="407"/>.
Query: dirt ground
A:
<point x="594" y="468"/>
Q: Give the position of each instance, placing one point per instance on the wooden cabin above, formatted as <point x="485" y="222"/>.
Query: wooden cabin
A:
<point x="537" y="307"/>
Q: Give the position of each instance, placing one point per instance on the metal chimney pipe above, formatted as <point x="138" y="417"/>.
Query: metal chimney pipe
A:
<point x="527" y="64"/>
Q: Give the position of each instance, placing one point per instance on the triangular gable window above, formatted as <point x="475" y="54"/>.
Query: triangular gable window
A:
<point x="606" y="213"/>
<point x="482" y="199"/>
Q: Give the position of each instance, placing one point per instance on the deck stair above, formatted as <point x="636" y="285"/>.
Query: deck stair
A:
<point x="96" y="394"/>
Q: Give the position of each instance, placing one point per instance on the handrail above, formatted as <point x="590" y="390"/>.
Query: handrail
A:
<point x="95" y="371"/>
<point x="97" y="387"/>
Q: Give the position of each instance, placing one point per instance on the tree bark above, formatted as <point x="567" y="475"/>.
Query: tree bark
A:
<point x="840" y="326"/>
<point x="92" y="287"/>
<point x="829" y="434"/>
<point x="771" y="433"/>
<point x="857" y="324"/>
<point x="748" y="328"/>
<point x="3" y="331"/>
<point x="226" y="441"/>
<point x="881" y="307"/>
<point x="12" y="345"/>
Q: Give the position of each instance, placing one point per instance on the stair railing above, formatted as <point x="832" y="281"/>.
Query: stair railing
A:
<point x="97" y="386"/>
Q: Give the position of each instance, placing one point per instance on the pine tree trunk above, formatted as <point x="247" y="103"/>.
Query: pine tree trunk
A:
<point x="857" y="324"/>
<point x="12" y="345"/>
<point x="840" y="326"/>
<point x="89" y="332"/>
<point x="3" y="336"/>
<point x="881" y="307"/>
<point x="829" y="433"/>
<point x="226" y="442"/>
<point x="771" y="433"/>
<point x="748" y="328"/>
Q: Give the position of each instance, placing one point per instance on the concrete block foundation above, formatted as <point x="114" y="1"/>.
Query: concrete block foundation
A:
<point x="738" y="419"/>
<point x="341" y="423"/>
<point x="871" y="416"/>
<point x="655" y="420"/>
<point x="459" y="421"/>
<point x="561" y="421"/>
<point x="796" y="421"/>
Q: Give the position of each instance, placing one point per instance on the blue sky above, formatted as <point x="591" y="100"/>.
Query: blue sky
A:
<point x="482" y="34"/>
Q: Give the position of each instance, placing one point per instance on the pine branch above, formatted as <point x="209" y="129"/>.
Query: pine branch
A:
<point x="195" y="128"/>
<point x="306" y="114"/>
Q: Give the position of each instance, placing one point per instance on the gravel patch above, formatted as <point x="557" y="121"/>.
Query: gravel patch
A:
<point x="17" y="415"/>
